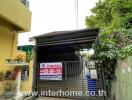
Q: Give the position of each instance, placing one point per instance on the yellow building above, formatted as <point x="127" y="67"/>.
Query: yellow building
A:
<point x="15" y="18"/>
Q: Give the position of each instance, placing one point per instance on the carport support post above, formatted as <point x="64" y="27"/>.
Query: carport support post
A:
<point x="65" y="68"/>
<point x="35" y="78"/>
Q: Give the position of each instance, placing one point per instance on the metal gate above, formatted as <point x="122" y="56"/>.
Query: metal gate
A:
<point x="76" y="82"/>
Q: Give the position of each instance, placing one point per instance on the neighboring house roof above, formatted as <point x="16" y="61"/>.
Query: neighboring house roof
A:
<point x="25" y="48"/>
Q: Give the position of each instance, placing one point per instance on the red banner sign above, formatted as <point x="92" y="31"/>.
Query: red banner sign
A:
<point x="51" y="71"/>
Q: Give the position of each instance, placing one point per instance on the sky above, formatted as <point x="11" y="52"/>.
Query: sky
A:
<point x="56" y="15"/>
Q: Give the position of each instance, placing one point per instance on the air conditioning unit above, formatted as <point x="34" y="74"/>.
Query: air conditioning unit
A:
<point x="25" y="2"/>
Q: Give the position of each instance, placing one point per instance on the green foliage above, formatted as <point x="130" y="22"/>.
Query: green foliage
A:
<point x="114" y="18"/>
<point x="10" y="86"/>
<point x="30" y="55"/>
<point x="126" y="51"/>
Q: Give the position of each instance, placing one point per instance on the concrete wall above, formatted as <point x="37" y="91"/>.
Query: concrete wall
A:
<point x="8" y="44"/>
<point x="13" y="14"/>
<point x="122" y="87"/>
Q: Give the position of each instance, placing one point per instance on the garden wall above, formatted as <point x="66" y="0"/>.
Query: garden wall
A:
<point x="122" y="86"/>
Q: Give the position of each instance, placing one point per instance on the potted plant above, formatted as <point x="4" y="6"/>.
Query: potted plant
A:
<point x="9" y="61"/>
<point x="1" y="76"/>
<point x="18" y="60"/>
<point x="9" y="90"/>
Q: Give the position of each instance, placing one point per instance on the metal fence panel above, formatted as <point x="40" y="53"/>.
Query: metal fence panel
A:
<point x="74" y="79"/>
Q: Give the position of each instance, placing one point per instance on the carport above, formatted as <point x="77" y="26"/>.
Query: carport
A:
<point x="61" y="48"/>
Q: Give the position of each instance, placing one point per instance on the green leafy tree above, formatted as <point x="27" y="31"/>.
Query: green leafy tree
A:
<point x="114" y="19"/>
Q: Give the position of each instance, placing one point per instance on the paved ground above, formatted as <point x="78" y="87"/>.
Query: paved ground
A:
<point x="48" y="98"/>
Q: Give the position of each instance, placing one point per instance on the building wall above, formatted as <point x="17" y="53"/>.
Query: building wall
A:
<point x="8" y="44"/>
<point x="14" y="18"/>
<point x="14" y="12"/>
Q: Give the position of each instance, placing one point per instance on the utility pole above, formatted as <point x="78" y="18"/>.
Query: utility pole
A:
<point x="76" y="14"/>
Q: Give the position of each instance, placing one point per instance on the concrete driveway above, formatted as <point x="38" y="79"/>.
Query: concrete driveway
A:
<point x="50" y="98"/>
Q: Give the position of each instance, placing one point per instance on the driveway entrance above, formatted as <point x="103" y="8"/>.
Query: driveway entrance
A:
<point x="64" y="48"/>
<point x="75" y="82"/>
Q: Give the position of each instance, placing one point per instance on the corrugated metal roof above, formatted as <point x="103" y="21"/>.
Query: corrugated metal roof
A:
<point x="67" y="37"/>
<point x="64" y="32"/>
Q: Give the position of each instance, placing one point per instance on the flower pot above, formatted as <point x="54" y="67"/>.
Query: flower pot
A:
<point x="8" y="94"/>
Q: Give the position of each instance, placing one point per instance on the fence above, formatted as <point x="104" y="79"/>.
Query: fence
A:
<point x="75" y="78"/>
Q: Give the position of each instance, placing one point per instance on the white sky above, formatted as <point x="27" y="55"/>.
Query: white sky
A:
<point x="55" y="15"/>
